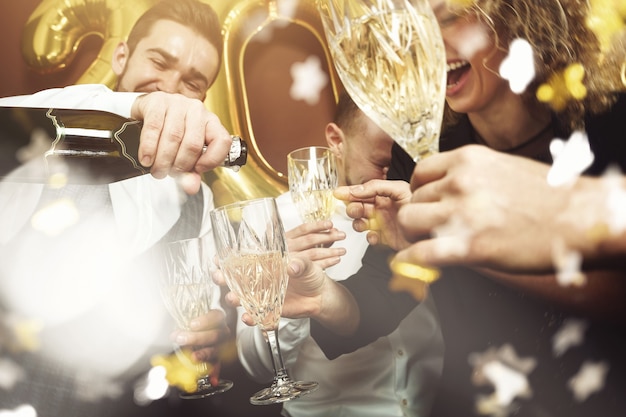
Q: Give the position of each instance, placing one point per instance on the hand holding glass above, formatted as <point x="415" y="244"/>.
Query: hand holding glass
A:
<point x="187" y="291"/>
<point x="252" y="252"/>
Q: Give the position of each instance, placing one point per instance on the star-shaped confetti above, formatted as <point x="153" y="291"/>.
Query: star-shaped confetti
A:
<point x="412" y="278"/>
<point x="571" y="158"/>
<point x="24" y="410"/>
<point x="570" y="334"/>
<point x="616" y="201"/>
<point x="94" y="388"/>
<point x="606" y="19"/>
<point x="40" y="142"/>
<point x="10" y="374"/>
<point x="180" y="369"/>
<point x="589" y="379"/>
<point x="457" y="236"/>
<point x="506" y="372"/>
<point x="56" y="217"/>
<point x="568" y="264"/>
<point x="308" y="80"/>
<point x="19" y="334"/>
<point x="519" y="66"/>
<point x="563" y="87"/>
<point x="151" y="387"/>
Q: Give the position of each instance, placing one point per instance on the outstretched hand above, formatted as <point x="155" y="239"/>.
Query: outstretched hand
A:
<point x="374" y="206"/>
<point x="175" y="130"/>
<point x="482" y="208"/>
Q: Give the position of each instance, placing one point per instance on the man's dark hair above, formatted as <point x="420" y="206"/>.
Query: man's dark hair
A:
<point x="346" y="112"/>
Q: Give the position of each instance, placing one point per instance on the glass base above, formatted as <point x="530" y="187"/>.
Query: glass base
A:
<point x="283" y="390"/>
<point x="205" y="389"/>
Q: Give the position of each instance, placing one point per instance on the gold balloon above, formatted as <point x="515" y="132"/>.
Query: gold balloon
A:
<point x="56" y="29"/>
<point x="242" y="20"/>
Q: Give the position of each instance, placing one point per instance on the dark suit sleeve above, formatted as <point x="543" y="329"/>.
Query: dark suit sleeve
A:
<point x="381" y="309"/>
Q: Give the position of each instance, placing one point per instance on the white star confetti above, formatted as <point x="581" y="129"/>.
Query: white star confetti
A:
<point x="569" y="335"/>
<point x="308" y="80"/>
<point x="454" y="236"/>
<point x="40" y="142"/>
<point x="616" y="200"/>
<point x="91" y="387"/>
<point x="263" y="25"/>
<point x="589" y="379"/>
<point x="568" y="264"/>
<point x="518" y="67"/>
<point x="508" y="382"/>
<point x="507" y="372"/>
<point x="152" y="386"/>
<point x="474" y="38"/>
<point x="24" y="410"/>
<point x="10" y="374"/>
<point x="56" y="217"/>
<point x="571" y="158"/>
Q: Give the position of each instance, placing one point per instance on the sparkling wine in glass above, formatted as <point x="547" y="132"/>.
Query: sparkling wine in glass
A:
<point x="312" y="176"/>
<point x="188" y="291"/>
<point x="390" y="57"/>
<point x="252" y="252"/>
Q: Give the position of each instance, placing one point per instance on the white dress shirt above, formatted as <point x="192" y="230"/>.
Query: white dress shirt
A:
<point x="394" y="376"/>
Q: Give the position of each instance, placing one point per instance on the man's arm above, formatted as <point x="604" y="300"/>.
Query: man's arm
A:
<point x="350" y="314"/>
<point x="180" y="137"/>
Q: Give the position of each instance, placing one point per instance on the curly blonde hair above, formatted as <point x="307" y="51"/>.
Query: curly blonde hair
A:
<point x="558" y="33"/>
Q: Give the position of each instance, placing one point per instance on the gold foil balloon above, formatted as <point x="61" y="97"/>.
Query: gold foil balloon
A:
<point x="53" y="34"/>
<point x="242" y="21"/>
<point x="56" y="28"/>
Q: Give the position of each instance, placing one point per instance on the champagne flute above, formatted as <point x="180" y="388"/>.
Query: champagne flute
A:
<point x="252" y="253"/>
<point x="390" y="57"/>
<point x="187" y="291"/>
<point x="312" y="176"/>
<point x="389" y="54"/>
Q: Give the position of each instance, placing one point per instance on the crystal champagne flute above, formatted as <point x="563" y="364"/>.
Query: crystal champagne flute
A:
<point x="389" y="54"/>
<point x="312" y="177"/>
<point x="390" y="57"/>
<point x="252" y="252"/>
<point x="187" y="291"/>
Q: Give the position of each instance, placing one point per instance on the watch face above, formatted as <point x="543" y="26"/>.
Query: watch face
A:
<point x="68" y="146"/>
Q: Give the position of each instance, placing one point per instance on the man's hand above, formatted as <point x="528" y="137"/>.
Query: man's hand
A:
<point x="482" y="208"/>
<point x="175" y="130"/>
<point x="374" y="207"/>
<point x="311" y="293"/>
<point x="205" y="336"/>
<point x="313" y="240"/>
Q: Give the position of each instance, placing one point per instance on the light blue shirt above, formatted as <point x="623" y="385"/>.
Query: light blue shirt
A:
<point x="394" y="376"/>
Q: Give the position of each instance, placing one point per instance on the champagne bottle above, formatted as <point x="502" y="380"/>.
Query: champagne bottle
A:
<point x="84" y="146"/>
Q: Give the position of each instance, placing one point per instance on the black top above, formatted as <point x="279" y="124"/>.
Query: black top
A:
<point x="477" y="313"/>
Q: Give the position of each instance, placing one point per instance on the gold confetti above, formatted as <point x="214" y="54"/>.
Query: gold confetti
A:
<point x="412" y="278"/>
<point x="180" y="370"/>
<point x="563" y="87"/>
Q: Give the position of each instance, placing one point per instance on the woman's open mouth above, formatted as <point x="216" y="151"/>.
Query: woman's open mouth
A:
<point x="456" y="70"/>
